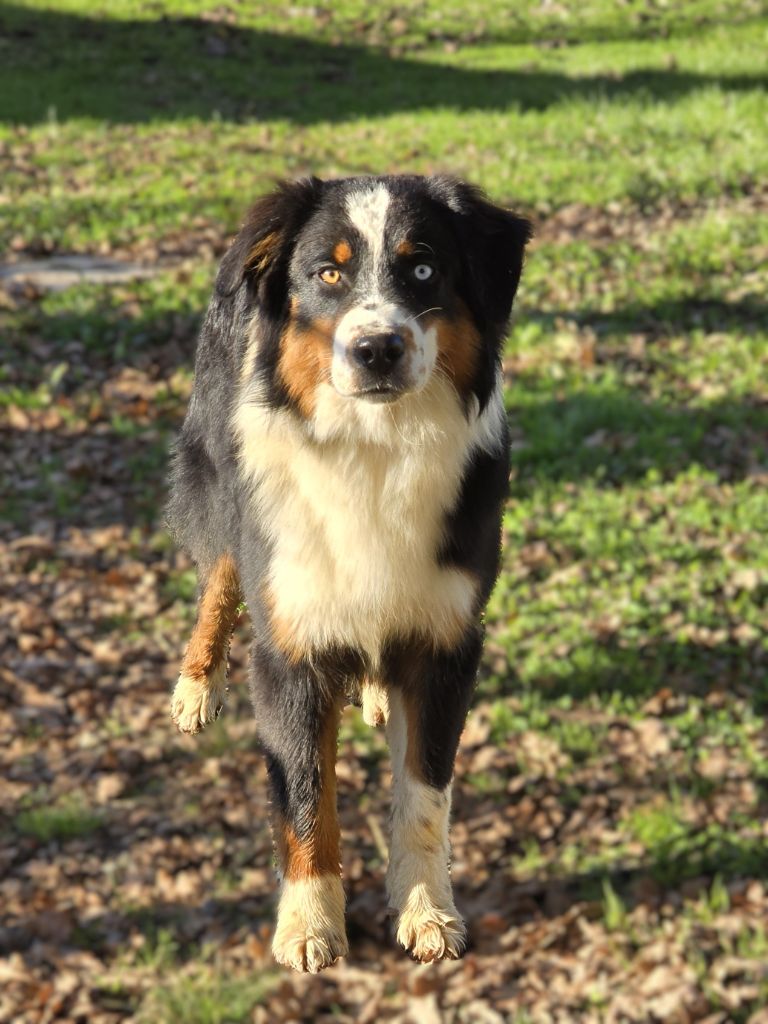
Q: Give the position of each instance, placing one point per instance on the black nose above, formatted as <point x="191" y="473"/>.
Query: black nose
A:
<point x="378" y="353"/>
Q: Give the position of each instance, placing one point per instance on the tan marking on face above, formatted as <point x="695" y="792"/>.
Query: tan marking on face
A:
<point x="305" y="361"/>
<point x="318" y="853"/>
<point x="406" y="249"/>
<point x="263" y="252"/>
<point x="458" y="348"/>
<point x="216" y="619"/>
<point x="342" y="252"/>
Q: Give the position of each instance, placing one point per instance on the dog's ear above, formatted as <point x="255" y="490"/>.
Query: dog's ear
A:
<point x="492" y="241"/>
<point x="264" y="241"/>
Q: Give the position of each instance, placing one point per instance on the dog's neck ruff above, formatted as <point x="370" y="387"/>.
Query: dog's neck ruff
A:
<point x="421" y="420"/>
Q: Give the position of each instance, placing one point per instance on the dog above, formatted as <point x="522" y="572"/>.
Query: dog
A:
<point x="342" y="470"/>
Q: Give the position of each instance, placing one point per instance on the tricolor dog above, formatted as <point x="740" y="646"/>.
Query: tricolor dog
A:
<point x="342" y="469"/>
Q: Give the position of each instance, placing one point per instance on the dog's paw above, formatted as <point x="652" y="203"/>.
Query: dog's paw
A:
<point x="310" y="932"/>
<point x="429" y="933"/>
<point x="196" y="702"/>
<point x="310" y="952"/>
<point x="375" y="703"/>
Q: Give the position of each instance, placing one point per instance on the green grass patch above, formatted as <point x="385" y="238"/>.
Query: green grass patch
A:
<point x="205" y="996"/>
<point x="677" y="850"/>
<point x="66" y="819"/>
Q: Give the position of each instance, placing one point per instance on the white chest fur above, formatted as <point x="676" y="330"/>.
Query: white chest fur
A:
<point x="354" y="506"/>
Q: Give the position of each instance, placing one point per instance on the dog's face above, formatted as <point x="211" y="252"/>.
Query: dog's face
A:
<point x="372" y="286"/>
<point x="375" y="277"/>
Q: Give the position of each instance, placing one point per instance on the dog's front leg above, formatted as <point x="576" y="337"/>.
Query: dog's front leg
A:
<point x="202" y="686"/>
<point x="426" y="715"/>
<point x="298" y="718"/>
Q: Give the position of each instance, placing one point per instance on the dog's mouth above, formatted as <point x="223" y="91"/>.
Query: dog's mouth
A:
<point x="380" y="394"/>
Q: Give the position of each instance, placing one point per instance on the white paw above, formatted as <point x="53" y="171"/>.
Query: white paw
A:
<point x="310" y="931"/>
<point x="431" y="929"/>
<point x="433" y="935"/>
<point x="308" y="952"/>
<point x="196" y="702"/>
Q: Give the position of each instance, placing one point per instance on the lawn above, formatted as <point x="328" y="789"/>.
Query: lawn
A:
<point x="610" y="836"/>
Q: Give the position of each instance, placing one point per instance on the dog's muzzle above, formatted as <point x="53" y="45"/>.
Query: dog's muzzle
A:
<point x="378" y="356"/>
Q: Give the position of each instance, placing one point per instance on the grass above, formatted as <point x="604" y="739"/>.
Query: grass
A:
<point x="66" y="819"/>
<point x="191" y="985"/>
<point x="149" y="152"/>
<point x="614" y="911"/>
<point x="635" y="561"/>
<point x="205" y="997"/>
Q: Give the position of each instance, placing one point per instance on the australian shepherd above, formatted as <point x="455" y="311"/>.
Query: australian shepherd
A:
<point x="342" y="470"/>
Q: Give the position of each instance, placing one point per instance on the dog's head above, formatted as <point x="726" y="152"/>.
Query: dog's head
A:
<point x="374" y="285"/>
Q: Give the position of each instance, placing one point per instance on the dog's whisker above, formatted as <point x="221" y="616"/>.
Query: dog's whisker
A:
<point x="432" y="309"/>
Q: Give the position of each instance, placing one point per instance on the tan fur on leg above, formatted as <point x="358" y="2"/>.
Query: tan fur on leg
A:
<point x="202" y="686"/>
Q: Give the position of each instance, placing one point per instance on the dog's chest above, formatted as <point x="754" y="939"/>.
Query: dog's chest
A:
<point x="355" y="530"/>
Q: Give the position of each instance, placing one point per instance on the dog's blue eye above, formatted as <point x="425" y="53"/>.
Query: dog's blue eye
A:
<point x="423" y="271"/>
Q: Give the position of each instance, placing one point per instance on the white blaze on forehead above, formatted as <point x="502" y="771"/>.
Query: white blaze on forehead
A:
<point x="367" y="210"/>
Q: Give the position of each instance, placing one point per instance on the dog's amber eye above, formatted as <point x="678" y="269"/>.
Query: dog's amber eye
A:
<point x="330" y="275"/>
<point x="423" y="271"/>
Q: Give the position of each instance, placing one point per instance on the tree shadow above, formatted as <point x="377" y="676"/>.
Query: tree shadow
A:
<point x="641" y="669"/>
<point x="646" y="880"/>
<point x="69" y="66"/>
<point x="609" y="438"/>
<point x="616" y="436"/>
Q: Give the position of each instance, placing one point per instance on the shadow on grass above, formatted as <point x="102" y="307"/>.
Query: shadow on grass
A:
<point x="713" y="852"/>
<point x="624" y="666"/>
<point x="661" y="318"/>
<point x="610" y="438"/>
<point x="69" y="66"/>
<point x="616" y="436"/>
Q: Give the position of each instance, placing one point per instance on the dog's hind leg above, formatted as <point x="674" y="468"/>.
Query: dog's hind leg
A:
<point x="200" y="691"/>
